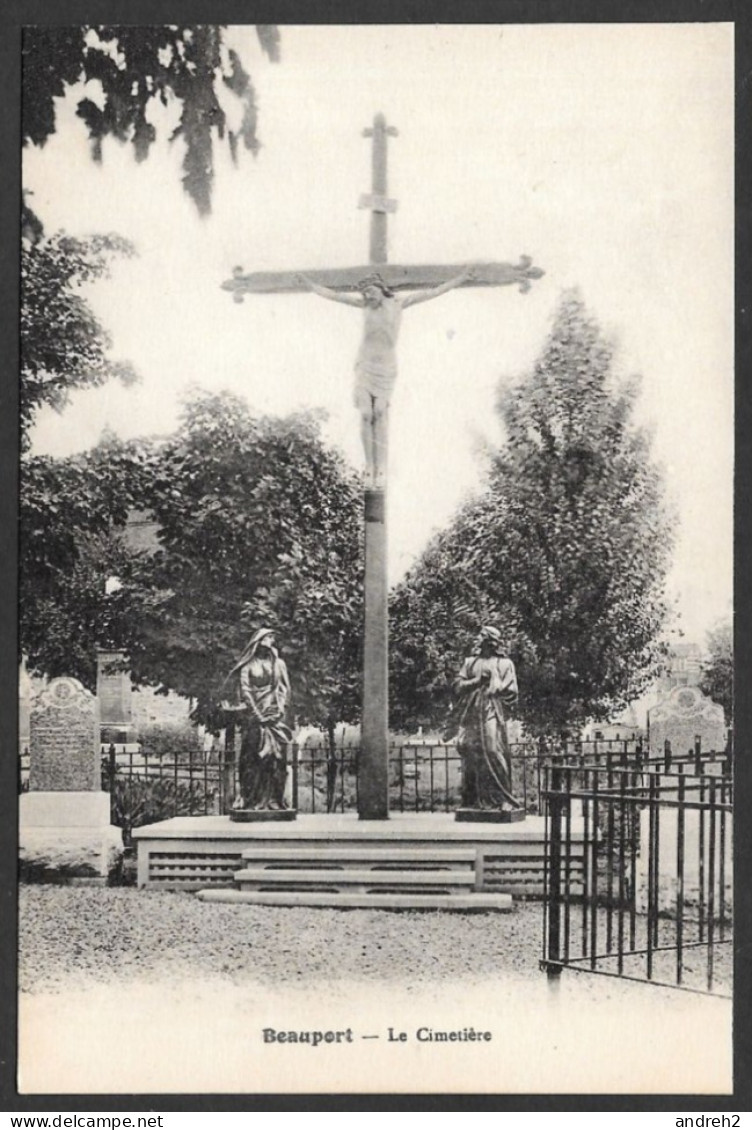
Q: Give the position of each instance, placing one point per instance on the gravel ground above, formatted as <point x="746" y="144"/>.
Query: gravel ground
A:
<point x="73" y="937"/>
<point x="127" y="991"/>
<point x="70" y="935"/>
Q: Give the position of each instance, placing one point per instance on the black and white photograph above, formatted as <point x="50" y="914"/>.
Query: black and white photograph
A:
<point x="375" y="558"/>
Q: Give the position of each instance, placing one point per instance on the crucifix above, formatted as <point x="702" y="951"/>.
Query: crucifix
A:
<point x="377" y="289"/>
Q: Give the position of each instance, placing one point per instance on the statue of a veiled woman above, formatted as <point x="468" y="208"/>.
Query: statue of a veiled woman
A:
<point x="260" y="689"/>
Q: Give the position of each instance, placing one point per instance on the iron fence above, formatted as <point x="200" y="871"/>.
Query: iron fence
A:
<point x="145" y="789"/>
<point x="638" y="880"/>
<point x="423" y="777"/>
<point x="427" y="777"/>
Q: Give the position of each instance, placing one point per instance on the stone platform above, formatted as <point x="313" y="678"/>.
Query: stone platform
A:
<point x="64" y="835"/>
<point x="196" y="853"/>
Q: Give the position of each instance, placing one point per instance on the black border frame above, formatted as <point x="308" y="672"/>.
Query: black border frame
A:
<point x="13" y="16"/>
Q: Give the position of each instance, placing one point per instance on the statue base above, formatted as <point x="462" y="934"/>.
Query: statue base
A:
<point x="249" y="815"/>
<point x="489" y="815"/>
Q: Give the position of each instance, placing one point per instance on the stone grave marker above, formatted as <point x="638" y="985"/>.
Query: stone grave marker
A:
<point x="114" y="694"/>
<point x="64" y="819"/>
<point x="683" y="715"/>
<point x="64" y="737"/>
<point x="24" y="708"/>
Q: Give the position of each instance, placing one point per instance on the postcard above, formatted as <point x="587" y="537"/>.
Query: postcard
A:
<point x="376" y="706"/>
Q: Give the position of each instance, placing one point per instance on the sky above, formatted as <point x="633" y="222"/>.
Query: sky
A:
<point x="605" y="152"/>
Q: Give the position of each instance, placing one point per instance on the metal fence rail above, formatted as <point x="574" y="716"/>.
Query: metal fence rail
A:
<point x="146" y="789"/>
<point x="422" y="778"/>
<point x="653" y="900"/>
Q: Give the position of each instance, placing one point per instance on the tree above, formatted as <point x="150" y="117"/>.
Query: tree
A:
<point x="566" y="549"/>
<point x="718" y="670"/>
<point x="136" y="68"/>
<point x="64" y="346"/>
<point x="439" y="604"/>
<point x="259" y="524"/>
<point x="68" y="508"/>
<point x="72" y="515"/>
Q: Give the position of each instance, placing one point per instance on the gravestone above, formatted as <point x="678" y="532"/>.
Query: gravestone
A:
<point x="24" y="708"/>
<point x="695" y="854"/>
<point x="24" y="721"/>
<point x="114" y="696"/>
<point x="64" y="819"/>
<point x="64" y="739"/>
<point x="683" y="715"/>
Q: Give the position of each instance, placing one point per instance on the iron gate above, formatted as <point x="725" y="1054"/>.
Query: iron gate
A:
<point x="638" y="880"/>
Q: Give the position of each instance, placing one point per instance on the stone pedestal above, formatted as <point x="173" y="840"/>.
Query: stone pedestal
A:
<point x="250" y="815"/>
<point x="489" y="815"/>
<point x="64" y="819"/>
<point x="67" y="835"/>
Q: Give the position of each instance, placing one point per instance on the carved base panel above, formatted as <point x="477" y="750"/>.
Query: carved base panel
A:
<point x="249" y="815"/>
<point x="489" y="815"/>
<point x="196" y="852"/>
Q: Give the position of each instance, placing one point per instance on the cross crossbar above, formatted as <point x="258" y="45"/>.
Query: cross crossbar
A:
<point x="395" y="276"/>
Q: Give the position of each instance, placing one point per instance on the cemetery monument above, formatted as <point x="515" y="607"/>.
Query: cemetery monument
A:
<point x="64" y="818"/>
<point x="383" y="319"/>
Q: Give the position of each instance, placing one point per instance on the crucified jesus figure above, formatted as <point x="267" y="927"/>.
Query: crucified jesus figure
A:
<point x="376" y="363"/>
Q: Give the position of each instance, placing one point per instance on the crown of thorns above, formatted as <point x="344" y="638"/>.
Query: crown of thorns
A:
<point x="374" y="280"/>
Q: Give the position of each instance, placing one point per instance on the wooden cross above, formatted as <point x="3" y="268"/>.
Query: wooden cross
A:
<point x="396" y="277"/>
<point x="373" y="799"/>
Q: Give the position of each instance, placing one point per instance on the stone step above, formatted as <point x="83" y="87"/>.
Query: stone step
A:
<point x="334" y="854"/>
<point x="477" y="901"/>
<point x="331" y="877"/>
<point x="514" y="868"/>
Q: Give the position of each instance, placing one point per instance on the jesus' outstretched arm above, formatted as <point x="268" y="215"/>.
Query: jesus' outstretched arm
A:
<point x="426" y="295"/>
<point x="333" y="295"/>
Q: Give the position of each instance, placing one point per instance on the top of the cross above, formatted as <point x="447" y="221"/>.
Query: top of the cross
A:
<point x="380" y="126"/>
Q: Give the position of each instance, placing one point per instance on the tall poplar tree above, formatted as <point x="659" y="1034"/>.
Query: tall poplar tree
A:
<point x="566" y="549"/>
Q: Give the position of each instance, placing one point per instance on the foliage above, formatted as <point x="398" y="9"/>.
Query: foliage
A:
<point x="566" y="549"/>
<point x="718" y="674"/>
<point x="63" y="344"/>
<point x="437" y="606"/>
<point x="71" y="516"/>
<point x="259" y="523"/>
<point x="69" y="508"/>
<point x="176" y="742"/>
<point x="62" y="620"/>
<point x="135" y="68"/>
<point x="135" y="801"/>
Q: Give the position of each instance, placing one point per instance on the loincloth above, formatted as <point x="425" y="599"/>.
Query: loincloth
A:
<point x="377" y="380"/>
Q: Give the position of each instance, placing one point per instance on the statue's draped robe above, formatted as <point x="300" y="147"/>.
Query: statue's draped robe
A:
<point x="263" y="688"/>
<point x="480" y="716"/>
